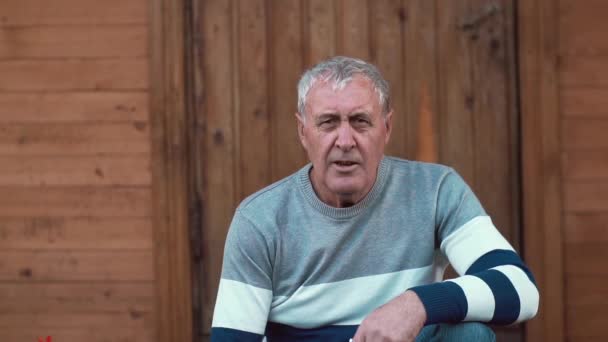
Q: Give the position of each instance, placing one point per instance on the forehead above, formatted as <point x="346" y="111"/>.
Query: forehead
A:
<point x="359" y="93"/>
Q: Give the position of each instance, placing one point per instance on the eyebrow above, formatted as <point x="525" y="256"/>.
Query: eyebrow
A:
<point x="326" y="116"/>
<point x="333" y="115"/>
<point x="358" y="114"/>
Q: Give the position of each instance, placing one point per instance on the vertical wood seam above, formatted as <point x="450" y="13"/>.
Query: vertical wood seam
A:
<point x="371" y="52"/>
<point x="339" y="32"/>
<point x="541" y="147"/>
<point x="403" y="25"/>
<point x="269" y="89"/>
<point x="235" y="70"/>
<point x="438" y="84"/>
<point x="305" y="33"/>
<point x="173" y="309"/>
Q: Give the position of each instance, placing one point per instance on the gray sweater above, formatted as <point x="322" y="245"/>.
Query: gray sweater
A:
<point x="297" y="269"/>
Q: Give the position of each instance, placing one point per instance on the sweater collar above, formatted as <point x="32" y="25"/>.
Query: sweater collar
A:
<point x="305" y="185"/>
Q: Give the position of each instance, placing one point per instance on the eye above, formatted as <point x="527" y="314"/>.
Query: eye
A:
<point x="327" y="123"/>
<point x="361" y="122"/>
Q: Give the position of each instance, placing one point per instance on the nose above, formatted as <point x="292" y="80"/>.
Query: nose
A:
<point x="345" y="140"/>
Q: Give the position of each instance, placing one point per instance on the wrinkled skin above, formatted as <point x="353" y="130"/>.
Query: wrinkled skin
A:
<point x="344" y="133"/>
<point x="399" y="320"/>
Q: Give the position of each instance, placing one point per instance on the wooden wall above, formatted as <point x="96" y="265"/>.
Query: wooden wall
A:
<point x="76" y="259"/>
<point x="76" y="240"/>
<point x="583" y="84"/>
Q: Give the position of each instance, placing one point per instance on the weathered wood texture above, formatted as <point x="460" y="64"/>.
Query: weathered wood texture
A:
<point x="538" y="48"/>
<point x="76" y="239"/>
<point x="457" y="54"/>
<point x="583" y="84"/>
<point x="171" y="186"/>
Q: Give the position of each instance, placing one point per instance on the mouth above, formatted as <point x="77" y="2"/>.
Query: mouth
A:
<point x="345" y="165"/>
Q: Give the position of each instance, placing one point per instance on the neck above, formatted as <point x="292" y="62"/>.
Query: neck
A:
<point x="336" y="200"/>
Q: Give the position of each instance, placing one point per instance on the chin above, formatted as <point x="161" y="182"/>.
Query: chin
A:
<point x="347" y="189"/>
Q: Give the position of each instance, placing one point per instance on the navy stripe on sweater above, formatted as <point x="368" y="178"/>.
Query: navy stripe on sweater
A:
<point x="276" y="332"/>
<point x="231" y="335"/>
<point x="446" y="302"/>
<point x="499" y="257"/>
<point x="506" y="299"/>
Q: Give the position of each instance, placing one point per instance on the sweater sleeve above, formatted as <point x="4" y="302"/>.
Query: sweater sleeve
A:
<point x="245" y="289"/>
<point x="494" y="285"/>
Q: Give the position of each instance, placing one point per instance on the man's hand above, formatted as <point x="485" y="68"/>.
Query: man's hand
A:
<point x="399" y="320"/>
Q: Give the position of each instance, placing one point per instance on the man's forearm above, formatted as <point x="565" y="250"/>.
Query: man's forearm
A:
<point x="497" y="289"/>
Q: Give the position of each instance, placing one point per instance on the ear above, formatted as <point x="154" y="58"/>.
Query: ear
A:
<point x="301" y="124"/>
<point x="388" y="122"/>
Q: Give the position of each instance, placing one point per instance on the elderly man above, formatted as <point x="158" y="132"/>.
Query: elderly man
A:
<point x="354" y="245"/>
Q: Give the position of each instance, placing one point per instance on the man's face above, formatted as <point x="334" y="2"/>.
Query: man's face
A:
<point x="344" y="134"/>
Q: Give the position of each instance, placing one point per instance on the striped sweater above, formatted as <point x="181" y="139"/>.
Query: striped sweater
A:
<point x="296" y="269"/>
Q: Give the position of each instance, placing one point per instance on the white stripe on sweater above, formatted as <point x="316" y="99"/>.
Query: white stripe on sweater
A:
<point x="345" y="302"/>
<point x="474" y="239"/>
<point x="242" y="307"/>
<point x="479" y="296"/>
<point x="527" y="292"/>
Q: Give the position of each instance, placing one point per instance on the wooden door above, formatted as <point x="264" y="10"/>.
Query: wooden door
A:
<point x="450" y="65"/>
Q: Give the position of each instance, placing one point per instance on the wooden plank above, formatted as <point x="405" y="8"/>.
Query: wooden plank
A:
<point x="588" y="102"/>
<point x="495" y="133"/>
<point x="287" y="65"/>
<point x="66" y="75"/>
<point x="585" y="165"/>
<point x="73" y="41"/>
<point x="90" y="107"/>
<point x="70" y="139"/>
<point x="583" y="71"/>
<point x="587" y="324"/>
<point x="76" y="297"/>
<point x="322" y="28"/>
<point x="531" y="177"/>
<point x="122" y="170"/>
<point x="220" y="103"/>
<point x="456" y="90"/>
<point x="587" y="299"/>
<point x="79" y="335"/>
<point x="171" y="124"/>
<point x="75" y="202"/>
<point x="584" y="134"/>
<point x="491" y="102"/>
<point x="585" y="197"/>
<point x="254" y="124"/>
<point x="40" y="265"/>
<point x="420" y="72"/>
<point x="586" y="227"/>
<point x="53" y="233"/>
<point x="352" y="18"/>
<point x="41" y="322"/>
<point x="387" y="20"/>
<point x="541" y="151"/>
<point x="551" y="199"/>
<point x="582" y="28"/>
<point x="587" y="284"/>
<point x="585" y="259"/>
<point x="587" y="291"/>
<point x="61" y="12"/>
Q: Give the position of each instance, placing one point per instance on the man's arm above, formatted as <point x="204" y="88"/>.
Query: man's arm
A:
<point x="494" y="286"/>
<point x="244" y="295"/>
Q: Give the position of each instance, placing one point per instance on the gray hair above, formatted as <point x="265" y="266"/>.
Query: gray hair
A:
<point x="340" y="70"/>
